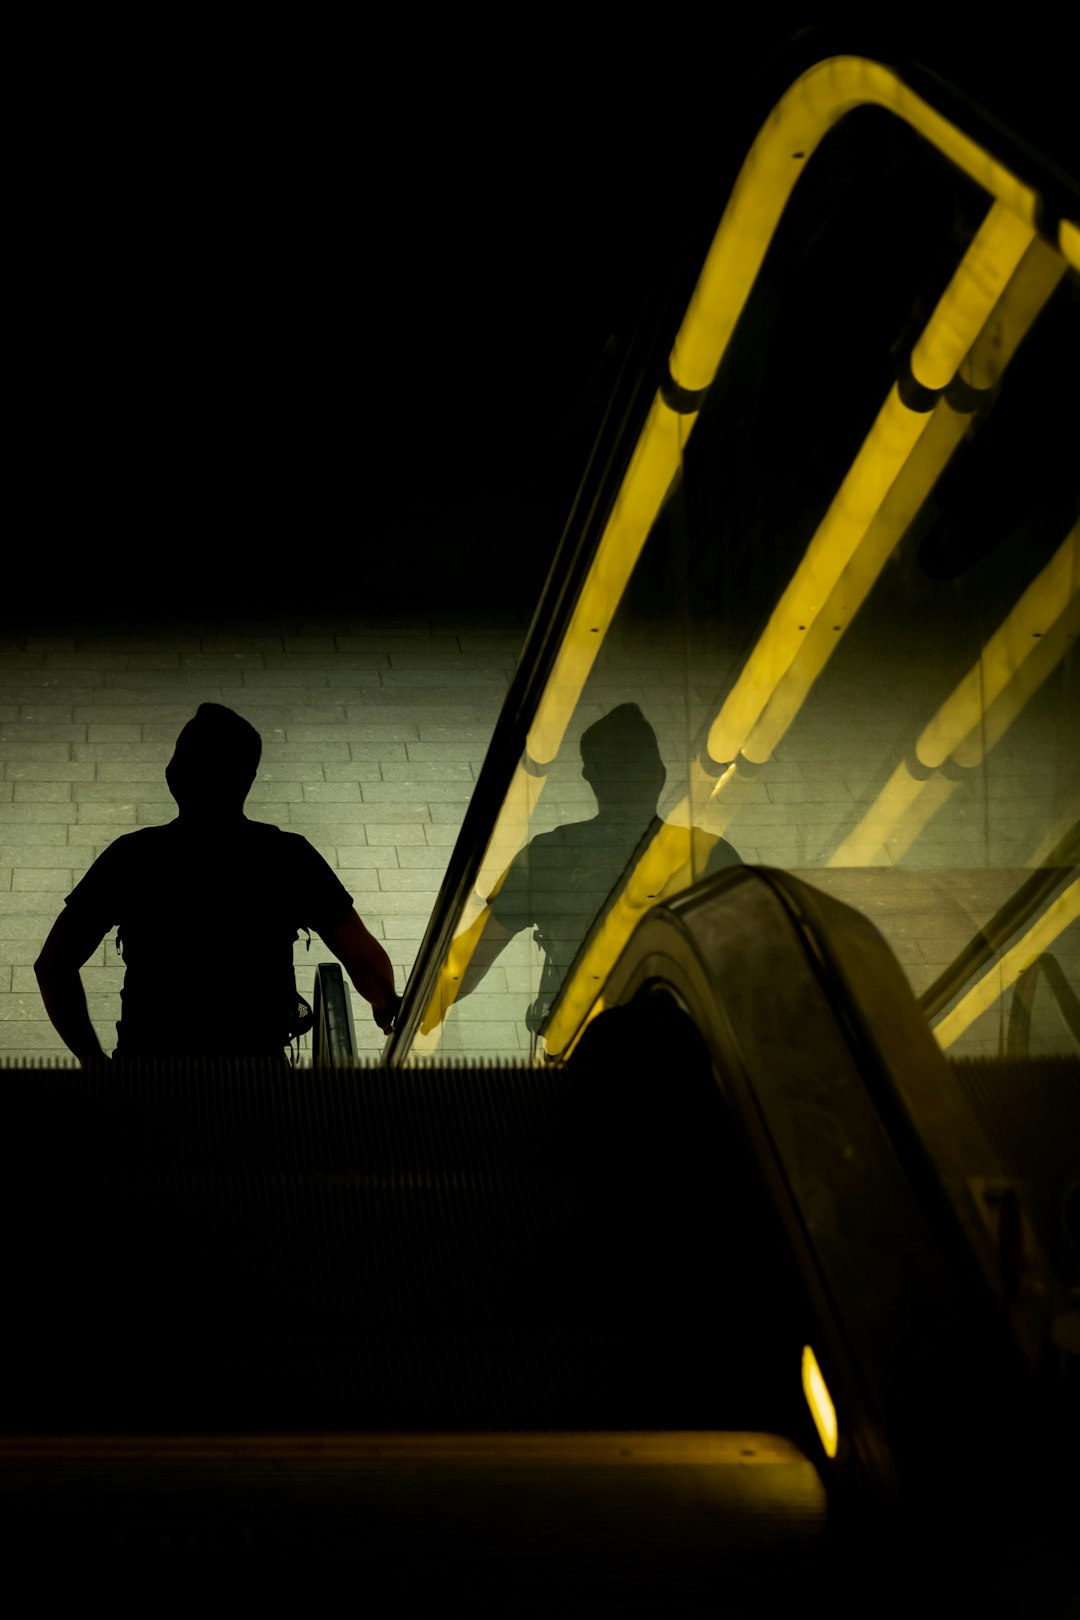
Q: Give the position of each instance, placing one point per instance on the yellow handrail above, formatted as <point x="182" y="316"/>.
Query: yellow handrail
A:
<point x="903" y="454"/>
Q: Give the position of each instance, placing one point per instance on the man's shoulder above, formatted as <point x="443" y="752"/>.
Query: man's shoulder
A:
<point x="281" y="842"/>
<point x="141" y="843"/>
<point x="260" y="841"/>
<point x="290" y="853"/>
<point x="128" y="866"/>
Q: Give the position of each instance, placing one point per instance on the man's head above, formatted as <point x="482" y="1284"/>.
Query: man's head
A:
<point x="620" y="760"/>
<point x="214" y="762"/>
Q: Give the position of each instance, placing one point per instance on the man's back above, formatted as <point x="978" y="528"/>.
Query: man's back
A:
<point x="206" y="917"/>
<point x="209" y="879"/>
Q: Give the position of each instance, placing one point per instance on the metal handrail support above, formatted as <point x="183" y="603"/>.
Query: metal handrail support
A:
<point x="333" y="1034"/>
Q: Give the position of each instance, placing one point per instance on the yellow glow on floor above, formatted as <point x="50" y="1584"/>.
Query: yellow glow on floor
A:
<point x="820" y="1402"/>
<point x="993" y="984"/>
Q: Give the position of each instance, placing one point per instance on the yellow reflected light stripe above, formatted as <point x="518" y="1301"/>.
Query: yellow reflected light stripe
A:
<point x="708" y="814"/>
<point x="670" y="850"/>
<point x="510" y="832"/>
<point x="883" y="489"/>
<point x="944" y="431"/>
<point x="1034" y="280"/>
<point x="820" y="1402"/>
<point x="653" y="467"/>
<point x="806" y="112"/>
<point x="1048" y="845"/>
<point x="1044" y="658"/>
<point x="1014" y="663"/>
<point x="883" y="453"/>
<point x="897" y="467"/>
<point x="511" y="829"/>
<point x="1048" y="612"/>
<point x="709" y="803"/>
<point x="984" y="272"/>
<point x="1069" y="242"/>
<point x="905" y="805"/>
<point x="450" y="974"/>
<point x="893" y="473"/>
<point x="700" y="846"/>
<point x="815" y="102"/>
<point x="993" y="984"/>
<point x="1037" y="275"/>
<point x="803" y="116"/>
<point x="598" y="1006"/>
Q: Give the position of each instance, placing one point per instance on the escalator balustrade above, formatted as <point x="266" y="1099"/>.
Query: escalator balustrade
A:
<point x="641" y="1242"/>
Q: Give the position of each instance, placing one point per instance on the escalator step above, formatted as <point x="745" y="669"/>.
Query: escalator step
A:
<point x="252" y="1116"/>
<point x="443" y="1249"/>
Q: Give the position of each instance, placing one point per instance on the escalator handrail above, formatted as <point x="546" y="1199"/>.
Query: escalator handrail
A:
<point x="333" y="1037"/>
<point x="626" y="413"/>
<point x="867" y="992"/>
<point x="644" y="372"/>
<point x="841" y="1031"/>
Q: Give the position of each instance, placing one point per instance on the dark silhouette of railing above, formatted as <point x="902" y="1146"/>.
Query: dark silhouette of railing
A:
<point x="1058" y="869"/>
<point x="333" y="1039"/>
<point x="1048" y="970"/>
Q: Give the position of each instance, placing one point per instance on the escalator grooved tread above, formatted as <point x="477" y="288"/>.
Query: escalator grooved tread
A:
<point x="379" y="1249"/>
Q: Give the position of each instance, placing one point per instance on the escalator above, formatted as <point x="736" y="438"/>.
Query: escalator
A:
<point x="742" y="1293"/>
<point x="462" y="1314"/>
<point x="529" y="1326"/>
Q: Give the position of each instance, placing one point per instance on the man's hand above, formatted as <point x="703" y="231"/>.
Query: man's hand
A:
<point x="367" y="965"/>
<point x="71" y="940"/>
<point x="384" y="1015"/>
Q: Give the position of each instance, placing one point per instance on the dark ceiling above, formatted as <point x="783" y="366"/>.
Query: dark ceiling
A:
<point x="293" y="335"/>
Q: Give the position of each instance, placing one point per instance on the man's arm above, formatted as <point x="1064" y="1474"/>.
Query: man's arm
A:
<point x="71" y="941"/>
<point x="367" y="965"/>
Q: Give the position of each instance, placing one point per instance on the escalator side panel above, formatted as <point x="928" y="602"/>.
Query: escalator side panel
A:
<point x="789" y="989"/>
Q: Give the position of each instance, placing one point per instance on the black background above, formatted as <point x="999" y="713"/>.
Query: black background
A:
<point x="332" y="320"/>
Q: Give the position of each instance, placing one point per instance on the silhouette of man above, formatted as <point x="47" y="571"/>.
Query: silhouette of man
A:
<point x="560" y="882"/>
<point x="210" y="877"/>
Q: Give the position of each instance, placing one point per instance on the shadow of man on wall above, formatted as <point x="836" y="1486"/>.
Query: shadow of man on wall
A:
<point x="563" y="879"/>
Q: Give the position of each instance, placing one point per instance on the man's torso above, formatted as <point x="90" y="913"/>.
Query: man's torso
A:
<point x="206" y="922"/>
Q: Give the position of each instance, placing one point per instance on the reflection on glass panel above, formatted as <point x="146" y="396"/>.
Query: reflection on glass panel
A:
<point x="832" y="624"/>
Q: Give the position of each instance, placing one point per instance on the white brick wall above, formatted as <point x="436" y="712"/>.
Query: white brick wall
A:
<point x="372" y="740"/>
<point x="374" y="736"/>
